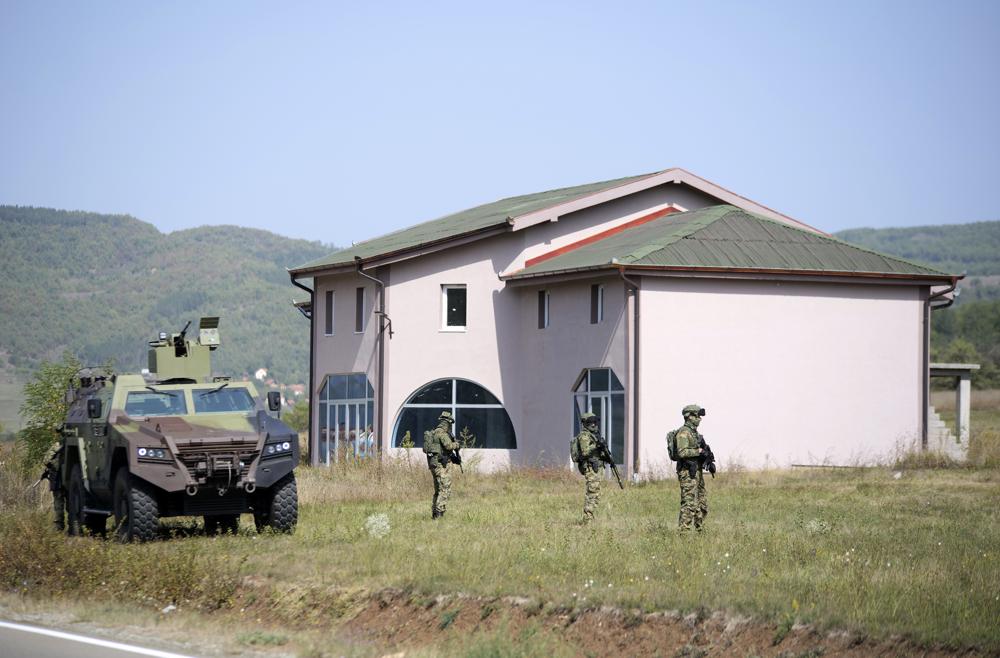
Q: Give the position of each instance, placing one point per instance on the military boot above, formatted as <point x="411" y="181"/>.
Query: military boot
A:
<point x="435" y="514"/>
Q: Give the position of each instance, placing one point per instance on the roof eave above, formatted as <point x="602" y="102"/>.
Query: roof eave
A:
<point x="920" y="279"/>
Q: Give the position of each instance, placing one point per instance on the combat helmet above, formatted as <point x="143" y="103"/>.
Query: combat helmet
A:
<point x="446" y="415"/>
<point x="588" y="417"/>
<point x="693" y="409"/>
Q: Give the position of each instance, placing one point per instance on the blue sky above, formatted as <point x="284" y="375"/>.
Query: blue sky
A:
<point x="341" y="121"/>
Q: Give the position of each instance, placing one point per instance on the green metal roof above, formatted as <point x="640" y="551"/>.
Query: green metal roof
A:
<point x="469" y="221"/>
<point x="726" y="237"/>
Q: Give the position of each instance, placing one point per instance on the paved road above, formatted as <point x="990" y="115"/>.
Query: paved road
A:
<point x="18" y="640"/>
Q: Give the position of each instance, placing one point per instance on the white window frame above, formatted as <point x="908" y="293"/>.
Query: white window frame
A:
<point x="545" y="309"/>
<point x="331" y="303"/>
<point x="364" y="305"/>
<point x="445" y="287"/>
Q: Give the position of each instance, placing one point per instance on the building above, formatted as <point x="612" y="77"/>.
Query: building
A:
<point x="630" y="298"/>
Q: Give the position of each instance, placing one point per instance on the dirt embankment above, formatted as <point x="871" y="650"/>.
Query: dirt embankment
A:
<point x="394" y="622"/>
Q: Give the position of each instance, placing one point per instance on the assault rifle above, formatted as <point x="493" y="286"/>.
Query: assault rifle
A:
<point x="456" y="458"/>
<point x="605" y="456"/>
<point x="707" y="457"/>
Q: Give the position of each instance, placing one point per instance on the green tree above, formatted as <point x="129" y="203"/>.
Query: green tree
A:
<point x="297" y="417"/>
<point x="44" y="408"/>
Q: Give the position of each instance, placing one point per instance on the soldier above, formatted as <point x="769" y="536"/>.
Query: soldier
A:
<point x="584" y="451"/>
<point x="52" y="473"/>
<point x="439" y="444"/>
<point x="690" y="461"/>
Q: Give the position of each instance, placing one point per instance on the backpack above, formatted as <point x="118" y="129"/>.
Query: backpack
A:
<point x="430" y="443"/>
<point x="672" y="445"/>
<point x="574" y="450"/>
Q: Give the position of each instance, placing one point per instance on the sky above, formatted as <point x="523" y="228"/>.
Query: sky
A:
<point x="338" y="121"/>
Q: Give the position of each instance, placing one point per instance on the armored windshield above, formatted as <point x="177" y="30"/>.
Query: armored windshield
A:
<point x="221" y="399"/>
<point x="155" y="403"/>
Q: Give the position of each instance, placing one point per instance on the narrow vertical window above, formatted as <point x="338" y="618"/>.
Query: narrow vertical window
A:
<point x="543" y="309"/>
<point x="329" y="313"/>
<point x="453" y="308"/>
<point x="596" y="303"/>
<point x="359" y="311"/>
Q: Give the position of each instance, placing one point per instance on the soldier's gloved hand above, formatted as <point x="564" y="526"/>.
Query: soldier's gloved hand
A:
<point x="711" y="468"/>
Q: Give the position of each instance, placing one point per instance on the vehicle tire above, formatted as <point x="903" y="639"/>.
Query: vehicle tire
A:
<point x="278" y="507"/>
<point x="75" y="498"/>
<point x="227" y="524"/>
<point x="137" y="513"/>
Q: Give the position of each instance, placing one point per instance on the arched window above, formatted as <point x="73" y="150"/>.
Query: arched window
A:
<point x="599" y="391"/>
<point x="478" y="414"/>
<point x="346" y="416"/>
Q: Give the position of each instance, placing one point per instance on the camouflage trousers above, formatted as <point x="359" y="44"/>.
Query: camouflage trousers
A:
<point x="442" y="485"/>
<point x="59" y="509"/>
<point x="694" y="501"/>
<point x="592" y="493"/>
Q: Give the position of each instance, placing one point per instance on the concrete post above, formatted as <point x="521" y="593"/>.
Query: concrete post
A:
<point x="963" y="406"/>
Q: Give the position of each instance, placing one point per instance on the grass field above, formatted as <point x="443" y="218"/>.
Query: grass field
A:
<point x="878" y="552"/>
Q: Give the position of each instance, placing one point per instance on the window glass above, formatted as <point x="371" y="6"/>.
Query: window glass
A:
<point x="474" y="408"/>
<point x="148" y="403"/>
<point x="221" y="400"/>
<point x="491" y="428"/>
<point x="599" y="379"/>
<point x="455" y="311"/>
<point x="356" y="386"/>
<point x="469" y="393"/>
<point x="338" y="387"/>
<point x="617" y="427"/>
<point x="329" y="312"/>
<point x="615" y="384"/>
<point x="359" y="310"/>
<point x="434" y="393"/>
<point x="417" y="420"/>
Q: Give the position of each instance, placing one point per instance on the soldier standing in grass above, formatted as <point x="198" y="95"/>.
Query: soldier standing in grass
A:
<point x="439" y="445"/>
<point x="688" y="442"/>
<point x="52" y="473"/>
<point x="583" y="449"/>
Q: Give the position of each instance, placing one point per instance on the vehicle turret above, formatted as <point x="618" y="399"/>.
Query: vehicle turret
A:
<point x="177" y="358"/>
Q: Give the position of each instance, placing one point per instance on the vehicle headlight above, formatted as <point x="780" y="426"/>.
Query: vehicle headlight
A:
<point x="153" y="453"/>
<point x="286" y="446"/>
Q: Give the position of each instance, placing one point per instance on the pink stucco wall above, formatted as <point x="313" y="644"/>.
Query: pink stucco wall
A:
<point x="789" y="372"/>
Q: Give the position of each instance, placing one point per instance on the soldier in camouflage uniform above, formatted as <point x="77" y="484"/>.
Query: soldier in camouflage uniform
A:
<point x="583" y="450"/>
<point x="52" y="473"/>
<point x="439" y="444"/>
<point x="694" y="502"/>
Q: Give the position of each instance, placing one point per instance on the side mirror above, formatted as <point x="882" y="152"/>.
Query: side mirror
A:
<point x="273" y="400"/>
<point x="94" y="408"/>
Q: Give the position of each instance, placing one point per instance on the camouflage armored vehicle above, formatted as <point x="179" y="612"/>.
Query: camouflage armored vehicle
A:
<point x="176" y="441"/>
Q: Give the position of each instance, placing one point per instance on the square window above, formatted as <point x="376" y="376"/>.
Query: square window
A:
<point x="453" y="311"/>
<point x="543" y="309"/>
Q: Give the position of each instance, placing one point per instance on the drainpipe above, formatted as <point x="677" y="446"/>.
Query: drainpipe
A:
<point x="312" y="352"/>
<point x="383" y="319"/>
<point x="635" y="371"/>
<point x="928" y="307"/>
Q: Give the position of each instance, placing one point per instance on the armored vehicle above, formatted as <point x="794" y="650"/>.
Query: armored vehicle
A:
<point x="176" y="441"/>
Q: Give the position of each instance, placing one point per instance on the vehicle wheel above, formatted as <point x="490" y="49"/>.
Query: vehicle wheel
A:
<point x="278" y="507"/>
<point x="137" y="512"/>
<point x="227" y="524"/>
<point x="74" y="502"/>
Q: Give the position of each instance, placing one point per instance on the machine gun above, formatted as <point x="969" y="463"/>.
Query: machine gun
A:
<point x="604" y="454"/>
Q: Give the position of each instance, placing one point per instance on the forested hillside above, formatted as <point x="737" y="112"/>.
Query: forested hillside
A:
<point x="969" y="331"/>
<point x="101" y="286"/>
<point x="971" y="248"/>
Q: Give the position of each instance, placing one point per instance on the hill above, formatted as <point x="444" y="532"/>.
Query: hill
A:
<point x="969" y="331"/>
<point x="101" y="286"/>
<point x="972" y="248"/>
